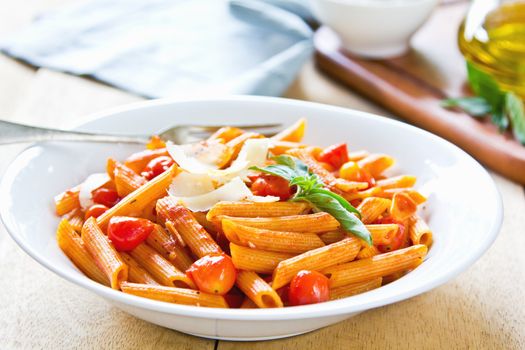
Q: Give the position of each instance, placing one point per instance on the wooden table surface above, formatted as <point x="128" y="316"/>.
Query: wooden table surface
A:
<point x="483" y="308"/>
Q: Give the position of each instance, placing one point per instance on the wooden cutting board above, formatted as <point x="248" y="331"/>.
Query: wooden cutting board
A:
<point x="412" y="86"/>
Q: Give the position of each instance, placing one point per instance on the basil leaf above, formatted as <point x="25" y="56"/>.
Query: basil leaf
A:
<point x="294" y="163"/>
<point x="475" y="106"/>
<point x="349" y="222"/>
<point x="485" y="86"/>
<point x="516" y="113"/>
<point x="499" y="119"/>
<point x="277" y="170"/>
<point x="340" y="199"/>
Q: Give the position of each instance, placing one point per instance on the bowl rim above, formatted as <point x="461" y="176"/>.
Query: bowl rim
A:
<point x="330" y="308"/>
<point x="379" y="5"/>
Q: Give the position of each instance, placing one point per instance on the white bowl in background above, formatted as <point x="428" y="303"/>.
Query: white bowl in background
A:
<point x="464" y="208"/>
<point x="374" y="28"/>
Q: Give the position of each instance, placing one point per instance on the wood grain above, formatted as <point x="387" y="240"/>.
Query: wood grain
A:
<point x="481" y="309"/>
<point x="412" y="86"/>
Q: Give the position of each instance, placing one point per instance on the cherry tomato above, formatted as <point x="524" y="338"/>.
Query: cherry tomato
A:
<point x="271" y="185"/>
<point x="214" y="274"/>
<point x="398" y="240"/>
<point x="157" y="166"/>
<point x="105" y="196"/>
<point x="95" y="211"/>
<point x="335" y="155"/>
<point x="308" y="287"/>
<point x="126" y="233"/>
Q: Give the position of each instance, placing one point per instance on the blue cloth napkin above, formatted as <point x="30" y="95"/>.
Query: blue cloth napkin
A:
<point x="159" y="48"/>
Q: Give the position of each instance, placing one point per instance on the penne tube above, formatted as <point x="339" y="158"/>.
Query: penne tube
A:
<point x="126" y="180"/>
<point x="136" y="273"/>
<point x="316" y="260"/>
<point x="67" y="201"/>
<point x="350" y="186"/>
<point x="367" y="252"/>
<point x="357" y="155"/>
<point x="138" y="161"/>
<point x="201" y="219"/>
<point x="280" y="147"/>
<point x="256" y="209"/>
<point x="373" y="207"/>
<point x="396" y="182"/>
<point x="193" y="234"/>
<point x="71" y="244"/>
<point x="136" y="201"/>
<point x="174" y="295"/>
<point x="355" y="288"/>
<point x="278" y="241"/>
<point x="371" y="192"/>
<point x="104" y="254"/>
<point x="225" y="134"/>
<point x="161" y="269"/>
<point x="375" y="164"/>
<point x="376" y="266"/>
<point x="402" y="206"/>
<point x="293" y="133"/>
<point x="76" y="220"/>
<point x="169" y="248"/>
<point x="260" y="261"/>
<point x="312" y="223"/>
<point x="417" y="197"/>
<point x="257" y="290"/>
<point x="332" y="236"/>
<point x="382" y="233"/>
<point x="419" y="231"/>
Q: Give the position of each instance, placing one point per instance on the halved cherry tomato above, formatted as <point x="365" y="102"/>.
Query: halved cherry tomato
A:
<point x="399" y="238"/>
<point x="126" y="233"/>
<point x="308" y="287"/>
<point x="105" y="196"/>
<point x="157" y="166"/>
<point x="271" y="185"/>
<point x="335" y="155"/>
<point x="95" y="211"/>
<point x="214" y="274"/>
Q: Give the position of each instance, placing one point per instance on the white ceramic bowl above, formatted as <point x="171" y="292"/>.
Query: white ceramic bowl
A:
<point x="374" y="28"/>
<point x="463" y="209"/>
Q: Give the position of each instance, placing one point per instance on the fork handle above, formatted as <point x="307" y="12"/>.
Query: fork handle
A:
<point x="15" y="133"/>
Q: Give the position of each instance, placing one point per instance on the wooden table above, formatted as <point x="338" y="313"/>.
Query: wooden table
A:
<point x="483" y="308"/>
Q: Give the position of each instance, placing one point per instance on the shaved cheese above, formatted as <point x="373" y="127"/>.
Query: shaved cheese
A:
<point x="187" y="161"/>
<point x="253" y="153"/>
<point x="93" y="181"/>
<point x="187" y="184"/>
<point x="264" y="199"/>
<point x="235" y="190"/>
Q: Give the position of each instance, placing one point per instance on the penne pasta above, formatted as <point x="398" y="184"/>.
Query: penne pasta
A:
<point x="373" y="207"/>
<point x="169" y="248"/>
<point x="255" y="288"/>
<point x="260" y="261"/>
<point x="126" y="180"/>
<point x="71" y="244"/>
<point x="161" y="269"/>
<point x="225" y="134"/>
<point x="193" y="234"/>
<point x="402" y="206"/>
<point x="367" y="252"/>
<point x="236" y="143"/>
<point x="280" y="147"/>
<point x="316" y="260"/>
<point x="136" y="273"/>
<point x="396" y="182"/>
<point x="376" y="266"/>
<point x="357" y="155"/>
<point x="136" y="201"/>
<point x="315" y="167"/>
<point x="293" y="133"/>
<point x="255" y="209"/>
<point x="382" y="233"/>
<point x="417" y="197"/>
<point x="371" y="192"/>
<point x="354" y="288"/>
<point x="279" y="241"/>
<point x="419" y="231"/>
<point x="76" y="219"/>
<point x="104" y="254"/>
<point x="332" y="236"/>
<point x="138" y="161"/>
<point x="174" y="295"/>
<point x="375" y="164"/>
<point x="67" y="201"/>
<point x="312" y="223"/>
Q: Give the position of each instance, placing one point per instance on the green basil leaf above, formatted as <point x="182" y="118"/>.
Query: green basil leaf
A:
<point x="475" y="106"/>
<point x="294" y="163"/>
<point x="499" y="118"/>
<point x="278" y="170"/>
<point x="340" y="199"/>
<point x="349" y="222"/>
<point x="516" y="113"/>
<point x="485" y="86"/>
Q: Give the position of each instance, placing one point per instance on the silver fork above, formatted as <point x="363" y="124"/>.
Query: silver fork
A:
<point x="15" y="133"/>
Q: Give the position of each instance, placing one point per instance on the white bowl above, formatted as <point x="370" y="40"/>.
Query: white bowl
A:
<point x="374" y="28"/>
<point x="463" y="209"/>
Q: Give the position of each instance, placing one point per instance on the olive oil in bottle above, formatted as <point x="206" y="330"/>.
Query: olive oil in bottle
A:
<point x="492" y="37"/>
